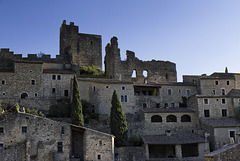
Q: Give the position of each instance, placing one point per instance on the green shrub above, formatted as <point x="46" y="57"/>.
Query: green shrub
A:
<point x="34" y="112"/>
<point x="88" y="111"/>
<point x="91" y="70"/>
<point x="61" y="109"/>
<point x="135" y="140"/>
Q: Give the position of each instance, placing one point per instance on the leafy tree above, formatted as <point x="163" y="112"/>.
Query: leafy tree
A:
<point x="61" y="109"/>
<point x="88" y="112"/>
<point x="118" y="122"/>
<point x="76" y="114"/>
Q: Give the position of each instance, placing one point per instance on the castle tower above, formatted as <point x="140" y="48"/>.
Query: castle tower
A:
<point x="78" y="48"/>
<point x="112" y="59"/>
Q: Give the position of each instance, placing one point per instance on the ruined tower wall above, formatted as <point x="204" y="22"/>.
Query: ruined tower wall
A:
<point x="157" y="71"/>
<point x="78" y="48"/>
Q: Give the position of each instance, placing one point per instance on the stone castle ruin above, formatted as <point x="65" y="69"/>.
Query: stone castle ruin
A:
<point x="176" y="120"/>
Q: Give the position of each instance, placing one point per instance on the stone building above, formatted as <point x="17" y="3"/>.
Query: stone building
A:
<point x="28" y="137"/>
<point x="169" y="115"/>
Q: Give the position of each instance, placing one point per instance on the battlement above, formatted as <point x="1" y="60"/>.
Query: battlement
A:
<point x="5" y="53"/>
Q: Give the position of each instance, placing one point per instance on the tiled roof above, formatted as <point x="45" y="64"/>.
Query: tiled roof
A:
<point x="222" y="122"/>
<point x="234" y="92"/>
<point x="166" y="110"/>
<point x="182" y="138"/>
<point x="104" y="80"/>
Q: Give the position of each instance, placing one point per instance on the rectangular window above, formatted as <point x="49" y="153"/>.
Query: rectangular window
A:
<point x="123" y="88"/>
<point x="166" y="105"/>
<point x="232" y="135"/>
<point x="205" y="101"/>
<point x="144" y="105"/>
<point x="1" y="145"/>
<point x="223" y="101"/>
<point x="99" y="157"/>
<point x="188" y="92"/>
<point x="169" y="91"/>
<point x="223" y="91"/>
<point x="3" y="82"/>
<point x="24" y="129"/>
<point x="126" y="98"/>
<point x="122" y="98"/>
<point x="206" y="113"/>
<point x="216" y="82"/>
<point x="32" y="82"/>
<point x="53" y="90"/>
<point x="1" y="130"/>
<point x="54" y="77"/>
<point x="100" y="143"/>
<point x="35" y="94"/>
<point x="66" y="93"/>
<point x="224" y="112"/>
<point x="172" y="104"/>
<point x="60" y="147"/>
<point x="59" y="77"/>
<point x="157" y="105"/>
<point x="179" y="91"/>
<point x="228" y="82"/>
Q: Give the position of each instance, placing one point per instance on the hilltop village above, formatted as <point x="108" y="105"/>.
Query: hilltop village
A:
<point x="194" y="120"/>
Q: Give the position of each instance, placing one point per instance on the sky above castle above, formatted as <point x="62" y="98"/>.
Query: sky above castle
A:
<point x="200" y="36"/>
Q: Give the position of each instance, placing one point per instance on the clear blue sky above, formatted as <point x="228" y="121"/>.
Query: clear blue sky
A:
<point x="200" y="36"/>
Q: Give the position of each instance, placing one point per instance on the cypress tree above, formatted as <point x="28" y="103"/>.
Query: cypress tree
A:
<point x="76" y="114"/>
<point x="118" y="122"/>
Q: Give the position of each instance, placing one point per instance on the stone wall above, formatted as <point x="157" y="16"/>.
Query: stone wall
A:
<point x="157" y="71"/>
<point x="158" y="128"/>
<point x="130" y="153"/>
<point x="80" y="49"/>
<point x="230" y="153"/>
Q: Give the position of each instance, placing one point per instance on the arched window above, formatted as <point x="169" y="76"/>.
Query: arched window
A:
<point x="171" y="118"/>
<point x="186" y="118"/>
<point x="156" y="118"/>
<point x="24" y="95"/>
<point x="134" y="74"/>
<point x="145" y="73"/>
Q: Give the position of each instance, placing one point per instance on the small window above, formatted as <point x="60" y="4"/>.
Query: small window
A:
<point x="3" y="82"/>
<point x="94" y="89"/>
<point x="216" y="82"/>
<point x="157" y="105"/>
<point x="53" y="90"/>
<point x="169" y="91"/>
<point x="126" y="98"/>
<point x="214" y="92"/>
<point x="206" y="113"/>
<point x="54" y="77"/>
<point x="1" y="145"/>
<point x="100" y="143"/>
<point x="224" y="112"/>
<point x="59" y="77"/>
<point x="144" y="105"/>
<point x="172" y="104"/>
<point x="60" y="147"/>
<point x="205" y="101"/>
<point x="35" y="94"/>
<point x="3" y="93"/>
<point x="24" y="129"/>
<point x="122" y="98"/>
<point x="166" y="105"/>
<point x="62" y="130"/>
<point x="66" y="93"/>
<point x="188" y="92"/>
<point x="32" y="82"/>
<point x="223" y="101"/>
<point x="228" y="83"/>
<point x="223" y="91"/>
<point x="106" y="86"/>
<point x="179" y="91"/>
<point x="99" y="157"/>
<point x="123" y="88"/>
<point x="1" y="130"/>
